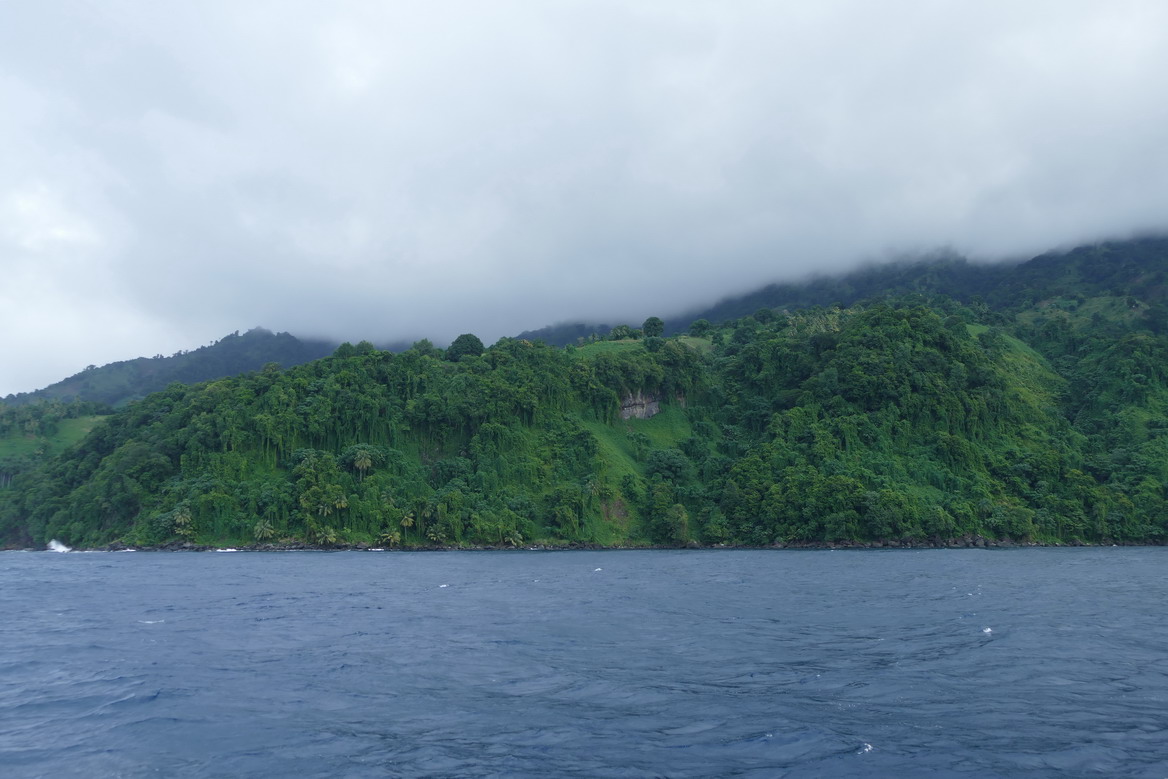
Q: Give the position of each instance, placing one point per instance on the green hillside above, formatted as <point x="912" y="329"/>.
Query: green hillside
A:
<point x="69" y="432"/>
<point x="33" y="433"/>
<point x="1027" y="413"/>
<point x="119" y="382"/>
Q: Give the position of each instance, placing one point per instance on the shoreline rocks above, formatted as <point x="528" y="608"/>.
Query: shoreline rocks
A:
<point x="963" y="542"/>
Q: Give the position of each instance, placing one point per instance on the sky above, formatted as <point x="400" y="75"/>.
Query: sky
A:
<point x="172" y="172"/>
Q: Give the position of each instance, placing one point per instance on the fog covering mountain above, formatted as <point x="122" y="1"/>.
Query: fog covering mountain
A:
<point x="1107" y="268"/>
<point x="1126" y="267"/>
<point x="374" y="170"/>
<point x="1032" y="406"/>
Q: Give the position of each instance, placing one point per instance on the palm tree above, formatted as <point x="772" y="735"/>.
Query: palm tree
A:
<point x="183" y="521"/>
<point x="263" y="530"/>
<point x="362" y="461"/>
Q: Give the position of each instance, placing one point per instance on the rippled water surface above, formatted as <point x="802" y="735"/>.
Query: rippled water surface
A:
<point x="717" y="663"/>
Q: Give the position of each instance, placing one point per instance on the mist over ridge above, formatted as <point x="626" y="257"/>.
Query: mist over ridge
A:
<point x="393" y="173"/>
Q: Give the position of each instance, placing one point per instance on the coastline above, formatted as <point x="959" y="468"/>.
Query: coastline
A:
<point x="971" y="542"/>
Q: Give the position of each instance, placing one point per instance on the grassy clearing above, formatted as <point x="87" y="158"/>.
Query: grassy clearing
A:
<point x="700" y="345"/>
<point x="616" y="450"/>
<point x="69" y="432"/>
<point x="1034" y="383"/>
<point x="601" y="347"/>
<point x="665" y="430"/>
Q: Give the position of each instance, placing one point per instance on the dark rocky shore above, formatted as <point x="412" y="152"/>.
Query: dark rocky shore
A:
<point x="963" y="542"/>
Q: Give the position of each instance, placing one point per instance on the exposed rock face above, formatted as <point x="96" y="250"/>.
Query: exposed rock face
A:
<point x="639" y="405"/>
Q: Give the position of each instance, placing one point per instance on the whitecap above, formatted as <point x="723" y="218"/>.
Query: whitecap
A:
<point x="228" y="549"/>
<point x="151" y="621"/>
<point x="987" y="630"/>
<point x="440" y="586"/>
<point x="57" y="546"/>
<point x="866" y="748"/>
<point x="598" y="569"/>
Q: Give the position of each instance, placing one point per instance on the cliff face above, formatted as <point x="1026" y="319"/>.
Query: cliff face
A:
<point x="639" y="405"/>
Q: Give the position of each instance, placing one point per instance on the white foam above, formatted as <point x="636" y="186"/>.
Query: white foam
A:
<point x="986" y="630"/>
<point x="598" y="569"/>
<point x="228" y="549"/>
<point x="151" y="621"/>
<point x="57" y="546"/>
<point x="440" y="586"/>
<point x="866" y="748"/>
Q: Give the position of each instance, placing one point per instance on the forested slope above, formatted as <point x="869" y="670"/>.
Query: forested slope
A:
<point x="918" y="419"/>
<point x="119" y="382"/>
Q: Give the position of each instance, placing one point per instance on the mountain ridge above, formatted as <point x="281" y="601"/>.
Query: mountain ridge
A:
<point x="118" y="382"/>
<point x="1033" y="409"/>
<point x="1000" y="285"/>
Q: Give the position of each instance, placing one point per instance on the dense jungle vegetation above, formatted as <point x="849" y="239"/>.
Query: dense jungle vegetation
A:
<point x="1030" y="410"/>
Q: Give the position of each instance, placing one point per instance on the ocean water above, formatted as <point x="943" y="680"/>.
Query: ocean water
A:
<point x="1023" y="662"/>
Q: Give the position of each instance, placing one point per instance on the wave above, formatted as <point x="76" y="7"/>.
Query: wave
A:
<point x="57" y="546"/>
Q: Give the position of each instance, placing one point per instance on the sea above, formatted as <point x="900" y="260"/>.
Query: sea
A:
<point x="726" y="663"/>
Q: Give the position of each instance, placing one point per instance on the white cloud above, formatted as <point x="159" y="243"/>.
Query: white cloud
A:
<point x="374" y="170"/>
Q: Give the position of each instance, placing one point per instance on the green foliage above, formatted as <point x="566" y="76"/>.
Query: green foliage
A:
<point x="362" y="446"/>
<point x="118" y="383"/>
<point x="908" y="418"/>
<point x="466" y="344"/>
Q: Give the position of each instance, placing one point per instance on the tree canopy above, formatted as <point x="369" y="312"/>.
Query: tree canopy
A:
<point x="904" y="419"/>
<point x="465" y="344"/>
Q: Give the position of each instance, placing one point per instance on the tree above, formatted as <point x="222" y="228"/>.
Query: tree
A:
<point x="465" y="344"/>
<point x="700" y="328"/>
<point x="620" y="333"/>
<point x="425" y="348"/>
<point x="670" y="464"/>
<point x="653" y="326"/>
<point x="362" y="457"/>
<point x="182" y="520"/>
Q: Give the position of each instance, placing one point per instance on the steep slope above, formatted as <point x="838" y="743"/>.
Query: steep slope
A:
<point x="892" y="422"/>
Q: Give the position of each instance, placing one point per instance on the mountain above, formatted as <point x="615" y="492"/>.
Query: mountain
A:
<point x="1029" y="404"/>
<point x="1118" y="268"/>
<point x="119" y="382"/>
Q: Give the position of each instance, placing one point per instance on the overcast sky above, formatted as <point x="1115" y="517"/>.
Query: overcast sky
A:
<point x="171" y="172"/>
